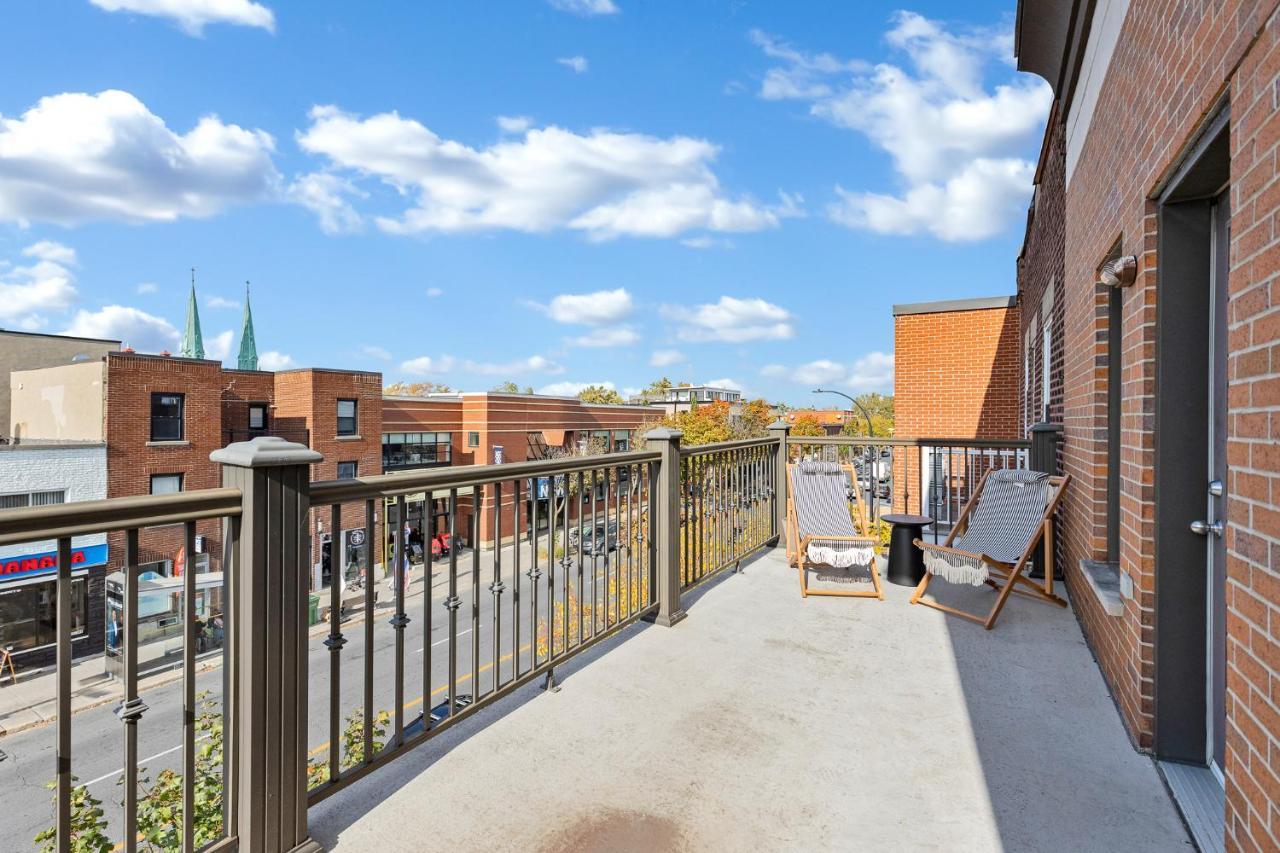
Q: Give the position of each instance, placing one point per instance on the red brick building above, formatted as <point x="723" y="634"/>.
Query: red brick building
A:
<point x="956" y="375"/>
<point x="481" y="428"/>
<point x="1152" y="239"/>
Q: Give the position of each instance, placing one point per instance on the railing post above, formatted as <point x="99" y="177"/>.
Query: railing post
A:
<point x="267" y="706"/>
<point x="779" y="430"/>
<point x="666" y="509"/>
<point x="1044" y="458"/>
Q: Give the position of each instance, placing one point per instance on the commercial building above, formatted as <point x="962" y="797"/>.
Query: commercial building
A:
<point x="29" y="350"/>
<point x="832" y="421"/>
<point x="40" y="473"/>
<point x="484" y="427"/>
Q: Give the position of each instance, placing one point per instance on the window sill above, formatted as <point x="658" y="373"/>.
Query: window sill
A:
<point x="1104" y="581"/>
<point x="348" y="438"/>
<point x="168" y="444"/>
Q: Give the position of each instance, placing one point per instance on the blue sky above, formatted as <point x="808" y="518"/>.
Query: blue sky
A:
<point x="554" y="192"/>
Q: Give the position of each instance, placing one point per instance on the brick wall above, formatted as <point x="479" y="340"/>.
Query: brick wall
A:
<point x="1172" y="64"/>
<point x="956" y="375"/>
<point x="308" y="399"/>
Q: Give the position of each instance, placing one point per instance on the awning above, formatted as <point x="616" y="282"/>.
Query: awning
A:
<point x="553" y="437"/>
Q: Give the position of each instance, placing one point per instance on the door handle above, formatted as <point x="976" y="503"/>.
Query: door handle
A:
<point x="1204" y="528"/>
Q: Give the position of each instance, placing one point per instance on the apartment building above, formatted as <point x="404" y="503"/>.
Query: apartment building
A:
<point x="30" y="350"/>
<point x="156" y="419"/>
<point x="832" y="421"/>
<point x="681" y="398"/>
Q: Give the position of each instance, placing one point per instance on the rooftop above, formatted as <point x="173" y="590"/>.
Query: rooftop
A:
<point x="764" y="721"/>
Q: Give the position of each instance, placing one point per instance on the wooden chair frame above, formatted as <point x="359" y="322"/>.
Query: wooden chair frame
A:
<point x="798" y="546"/>
<point x="1007" y="576"/>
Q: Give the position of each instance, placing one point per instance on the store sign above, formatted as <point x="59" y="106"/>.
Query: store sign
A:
<point x="46" y="563"/>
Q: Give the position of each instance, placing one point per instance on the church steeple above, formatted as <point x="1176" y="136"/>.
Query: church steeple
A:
<point x="192" y="341"/>
<point x="248" y="357"/>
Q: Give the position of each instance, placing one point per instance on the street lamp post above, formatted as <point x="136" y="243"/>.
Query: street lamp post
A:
<point x="871" y="459"/>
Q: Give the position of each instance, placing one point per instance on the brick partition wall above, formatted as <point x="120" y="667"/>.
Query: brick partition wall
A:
<point x="1173" y="62"/>
<point x="956" y="375"/>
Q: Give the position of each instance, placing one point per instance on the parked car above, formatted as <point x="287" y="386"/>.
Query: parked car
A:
<point x="600" y="540"/>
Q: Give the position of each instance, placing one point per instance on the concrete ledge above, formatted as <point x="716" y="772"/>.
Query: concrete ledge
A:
<point x="1104" y="582"/>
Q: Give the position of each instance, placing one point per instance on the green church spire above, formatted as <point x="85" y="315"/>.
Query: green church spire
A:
<point x="192" y="341"/>
<point x="248" y="357"/>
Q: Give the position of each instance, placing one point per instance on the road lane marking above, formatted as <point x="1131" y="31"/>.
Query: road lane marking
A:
<point x="141" y="762"/>
<point x="445" y="640"/>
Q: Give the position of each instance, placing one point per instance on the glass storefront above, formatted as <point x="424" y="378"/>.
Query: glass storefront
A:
<point x="409" y="449"/>
<point x="29" y="614"/>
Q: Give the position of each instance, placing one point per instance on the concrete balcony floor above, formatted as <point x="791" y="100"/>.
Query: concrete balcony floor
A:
<point x="767" y="722"/>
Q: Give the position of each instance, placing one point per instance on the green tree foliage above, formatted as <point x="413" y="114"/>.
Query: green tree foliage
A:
<point x="160" y="804"/>
<point x="88" y="824"/>
<point x="880" y="407"/>
<point x="657" y="390"/>
<point x="352" y="746"/>
<point x="754" y="420"/>
<point x="599" y="394"/>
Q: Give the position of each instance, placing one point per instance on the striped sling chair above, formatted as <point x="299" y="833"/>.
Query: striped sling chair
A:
<point x="820" y="527"/>
<point x="995" y="536"/>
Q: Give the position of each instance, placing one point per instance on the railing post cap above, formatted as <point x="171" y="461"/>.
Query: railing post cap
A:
<point x="1045" y="427"/>
<point x="265" y="451"/>
<point x="780" y="424"/>
<point x="663" y="433"/>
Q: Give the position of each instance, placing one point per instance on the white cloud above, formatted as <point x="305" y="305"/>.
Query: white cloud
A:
<point x="514" y="124"/>
<point x="607" y="336"/>
<point x="955" y="145"/>
<point x="597" y="308"/>
<point x="586" y="7"/>
<point x="731" y="384"/>
<point x="571" y="389"/>
<point x="327" y="196"/>
<point x="219" y="346"/>
<point x="30" y="291"/>
<point x="138" y="329"/>
<point x="578" y="64"/>
<point x="434" y="292"/>
<point x="371" y="351"/>
<point x="193" y="15"/>
<point x="532" y="364"/>
<point x="220" y="302"/>
<point x="666" y="357"/>
<point x="275" y="360"/>
<point x="871" y="372"/>
<point x="75" y="157"/>
<point x="147" y="287"/>
<point x="425" y="365"/>
<point x="603" y="183"/>
<point x="707" y="242"/>
<point x="732" y="320"/>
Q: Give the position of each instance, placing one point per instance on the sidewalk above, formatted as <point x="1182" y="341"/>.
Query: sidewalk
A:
<point x="32" y="702"/>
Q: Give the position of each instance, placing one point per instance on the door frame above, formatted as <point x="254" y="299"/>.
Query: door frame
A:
<point x="1182" y="436"/>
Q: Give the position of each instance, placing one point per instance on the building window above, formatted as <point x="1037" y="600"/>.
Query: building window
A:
<point x="166" y="484"/>
<point x="621" y="440"/>
<point x="166" y="416"/>
<point x="257" y="416"/>
<point x="409" y="449"/>
<point x="347" y="417"/>
<point x="473" y="439"/>
<point x="1046" y="349"/>
<point x="29" y="615"/>
<point x="19" y="500"/>
<point x="1114" y="337"/>
<point x="346" y="470"/>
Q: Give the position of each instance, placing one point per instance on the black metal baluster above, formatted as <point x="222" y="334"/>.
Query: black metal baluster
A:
<point x="63" y="768"/>
<point x="132" y="707"/>
<point x="400" y="619"/>
<point x="428" y="595"/>
<point x="189" y="687"/>
<point x="515" y="579"/>
<point x="476" y="496"/>
<point x="581" y="520"/>
<point x="370" y="534"/>
<point x="335" y="641"/>
<point x="496" y="587"/>
<point x="452" y="603"/>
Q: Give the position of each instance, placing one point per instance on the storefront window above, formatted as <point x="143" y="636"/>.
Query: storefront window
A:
<point x="409" y="449"/>
<point x="29" y="615"/>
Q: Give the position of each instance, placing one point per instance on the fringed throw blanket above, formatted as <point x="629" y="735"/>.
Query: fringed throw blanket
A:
<point x="1000" y="526"/>
<point x="821" y="498"/>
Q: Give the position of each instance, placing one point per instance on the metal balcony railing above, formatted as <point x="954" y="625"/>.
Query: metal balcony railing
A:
<point x="300" y="435"/>
<point x="582" y="547"/>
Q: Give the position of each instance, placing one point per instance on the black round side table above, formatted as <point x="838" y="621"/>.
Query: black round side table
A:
<point x="906" y="561"/>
